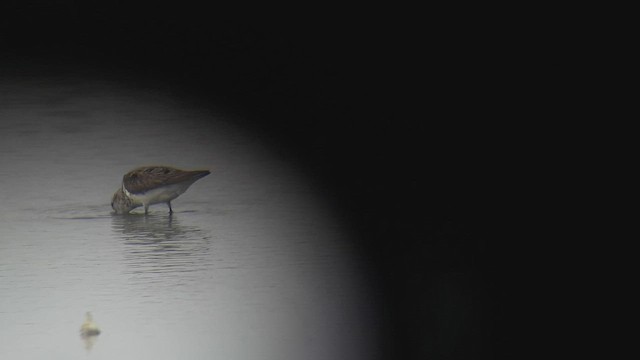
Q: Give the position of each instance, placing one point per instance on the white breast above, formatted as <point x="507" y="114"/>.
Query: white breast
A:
<point x="160" y="195"/>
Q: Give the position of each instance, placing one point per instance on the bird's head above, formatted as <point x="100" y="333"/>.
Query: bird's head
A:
<point x="121" y="203"/>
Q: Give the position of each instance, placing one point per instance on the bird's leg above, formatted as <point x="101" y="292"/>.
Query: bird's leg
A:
<point x="146" y="209"/>
<point x="170" y="209"/>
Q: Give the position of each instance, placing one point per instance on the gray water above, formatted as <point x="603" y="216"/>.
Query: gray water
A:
<point x="252" y="264"/>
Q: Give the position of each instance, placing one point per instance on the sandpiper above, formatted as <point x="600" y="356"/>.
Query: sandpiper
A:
<point x="150" y="185"/>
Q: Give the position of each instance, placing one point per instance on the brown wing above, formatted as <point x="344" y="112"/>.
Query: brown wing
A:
<point x="150" y="177"/>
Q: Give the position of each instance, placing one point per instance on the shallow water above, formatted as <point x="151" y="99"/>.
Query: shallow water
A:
<point x="252" y="264"/>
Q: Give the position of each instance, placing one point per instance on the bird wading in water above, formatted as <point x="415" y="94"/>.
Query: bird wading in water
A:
<point x="150" y="185"/>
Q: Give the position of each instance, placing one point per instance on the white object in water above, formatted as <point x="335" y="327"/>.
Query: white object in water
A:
<point x="89" y="328"/>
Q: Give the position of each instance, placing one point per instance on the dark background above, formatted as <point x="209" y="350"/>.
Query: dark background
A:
<point x="391" y="115"/>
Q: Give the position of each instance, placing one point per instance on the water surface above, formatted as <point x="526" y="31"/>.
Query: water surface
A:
<point x="252" y="264"/>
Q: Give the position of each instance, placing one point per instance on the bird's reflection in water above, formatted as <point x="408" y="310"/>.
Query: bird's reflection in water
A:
<point x="158" y="243"/>
<point x="89" y="341"/>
